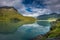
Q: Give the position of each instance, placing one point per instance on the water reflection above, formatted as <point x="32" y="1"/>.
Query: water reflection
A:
<point x="32" y="30"/>
<point x="26" y="32"/>
<point x="43" y="23"/>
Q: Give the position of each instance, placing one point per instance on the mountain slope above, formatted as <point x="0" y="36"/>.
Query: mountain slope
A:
<point x="10" y="20"/>
<point x="47" y="16"/>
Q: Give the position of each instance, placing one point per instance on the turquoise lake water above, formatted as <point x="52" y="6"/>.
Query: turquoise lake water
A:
<point x="27" y="32"/>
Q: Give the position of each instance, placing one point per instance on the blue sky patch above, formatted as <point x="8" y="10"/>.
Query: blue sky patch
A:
<point x="34" y="3"/>
<point x="29" y="9"/>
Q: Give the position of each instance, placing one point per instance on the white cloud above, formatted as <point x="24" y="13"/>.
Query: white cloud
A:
<point x="32" y="25"/>
<point x="35" y="28"/>
<point x="53" y="5"/>
<point x="35" y="12"/>
<point x="22" y="9"/>
<point x="8" y="2"/>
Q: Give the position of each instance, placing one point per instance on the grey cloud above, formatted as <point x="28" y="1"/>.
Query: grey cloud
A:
<point x="8" y="2"/>
<point x="53" y="5"/>
<point x="22" y="9"/>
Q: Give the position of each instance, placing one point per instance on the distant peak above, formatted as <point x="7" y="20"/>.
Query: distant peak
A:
<point x="7" y="7"/>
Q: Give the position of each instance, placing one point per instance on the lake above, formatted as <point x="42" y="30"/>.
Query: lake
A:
<point x="28" y="31"/>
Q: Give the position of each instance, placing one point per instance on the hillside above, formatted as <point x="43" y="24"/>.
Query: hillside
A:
<point x="55" y="29"/>
<point x="10" y="20"/>
<point x="47" y="16"/>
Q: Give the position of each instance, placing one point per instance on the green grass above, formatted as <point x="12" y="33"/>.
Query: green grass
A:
<point x="10" y="20"/>
<point x="55" y="32"/>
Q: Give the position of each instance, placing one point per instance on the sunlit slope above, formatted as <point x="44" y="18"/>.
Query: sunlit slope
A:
<point x="46" y="22"/>
<point x="55" y="30"/>
<point x="10" y="19"/>
<point x="49" y="19"/>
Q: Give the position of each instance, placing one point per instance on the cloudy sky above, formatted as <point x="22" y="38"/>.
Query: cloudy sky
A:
<point x="33" y="7"/>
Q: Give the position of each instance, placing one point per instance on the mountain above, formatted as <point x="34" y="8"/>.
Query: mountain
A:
<point x="47" y="16"/>
<point x="11" y="20"/>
